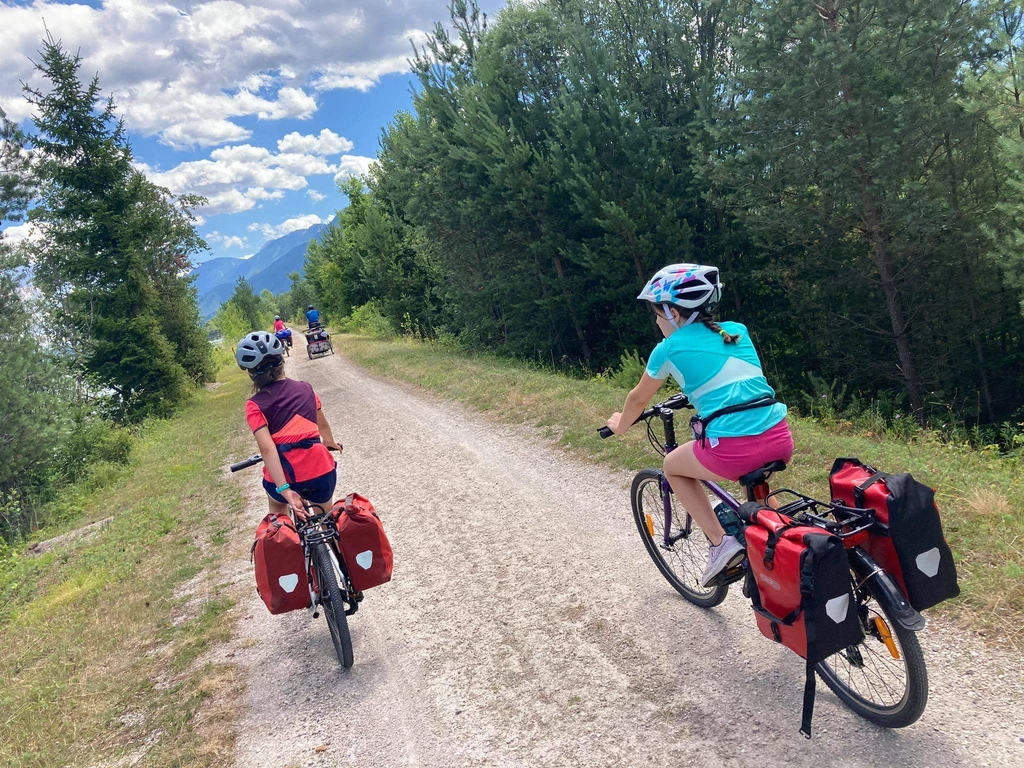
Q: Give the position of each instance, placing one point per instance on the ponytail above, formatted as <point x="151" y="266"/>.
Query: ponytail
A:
<point x="711" y="325"/>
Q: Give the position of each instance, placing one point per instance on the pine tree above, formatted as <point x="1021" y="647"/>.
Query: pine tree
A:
<point x="106" y="273"/>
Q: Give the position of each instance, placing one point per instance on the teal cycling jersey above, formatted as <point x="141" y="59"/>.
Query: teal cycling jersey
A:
<point x="715" y="375"/>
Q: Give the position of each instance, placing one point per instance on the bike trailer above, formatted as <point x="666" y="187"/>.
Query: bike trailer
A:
<point x="280" y="564"/>
<point x="908" y="543"/>
<point x="802" y="593"/>
<point x="363" y="545"/>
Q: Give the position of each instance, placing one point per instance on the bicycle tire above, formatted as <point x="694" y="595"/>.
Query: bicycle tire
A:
<point x="689" y="587"/>
<point x="910" y="706"/>
<point x="334" y="606"/>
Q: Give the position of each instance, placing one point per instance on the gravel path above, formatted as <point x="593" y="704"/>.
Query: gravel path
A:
<point x="526" y="626"/>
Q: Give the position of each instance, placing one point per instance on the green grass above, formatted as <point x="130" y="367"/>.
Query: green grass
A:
<point x="980" y="494"/>
<point x="98" y="657"/>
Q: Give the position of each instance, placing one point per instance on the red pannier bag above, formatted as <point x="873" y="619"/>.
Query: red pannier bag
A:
<point x="363" y="545"/>
<point x="909" y="543"/>
<point x="280" y="565"/>
<point x="800" y="585"/>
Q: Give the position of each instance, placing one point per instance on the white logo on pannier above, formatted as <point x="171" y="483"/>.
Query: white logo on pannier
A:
<point x="769" y="581"/>
<point x="837" y="607"/>
<point x="288" y="582"/>
<point x="928" y="562"/>
<point x="365" y="559"/>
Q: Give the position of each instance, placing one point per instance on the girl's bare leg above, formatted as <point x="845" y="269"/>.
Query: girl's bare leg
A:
<point x="683" y="471"/>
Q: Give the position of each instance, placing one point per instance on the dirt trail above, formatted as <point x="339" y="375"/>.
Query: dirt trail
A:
<point x="526" y="626"/>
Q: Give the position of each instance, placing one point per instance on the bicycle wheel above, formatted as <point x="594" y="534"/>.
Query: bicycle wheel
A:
<point x="682" y="561"/>
<point x="334" y="607"/>
<point x="884" y="679"/>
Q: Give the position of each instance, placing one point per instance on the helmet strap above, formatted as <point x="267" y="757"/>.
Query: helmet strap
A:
<point x="668" y="316"/>
<point x="692" y="318"/>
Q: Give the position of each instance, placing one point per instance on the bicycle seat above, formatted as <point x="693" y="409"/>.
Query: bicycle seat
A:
<point x="761" y="475"/>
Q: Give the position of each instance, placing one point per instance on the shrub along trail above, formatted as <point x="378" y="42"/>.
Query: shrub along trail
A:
<point x="526" y="626"/>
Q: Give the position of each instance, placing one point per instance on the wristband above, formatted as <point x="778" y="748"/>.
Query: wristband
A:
<point x="283" y="488"/>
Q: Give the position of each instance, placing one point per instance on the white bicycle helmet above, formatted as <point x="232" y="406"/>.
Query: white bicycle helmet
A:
<point x="255" y="348"/>
<point x="694" y="287"/>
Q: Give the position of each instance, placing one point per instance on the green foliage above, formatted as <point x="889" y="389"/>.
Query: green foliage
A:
<point x="230" y="321"/>
<point x="90" y="440"/>
<point x="370" y="321"/>
<point x="122" y="335"/>
<point x="854" y="170"/>
<point x="16" y="180"/>
<point x="292" y="304"/>
<point x="113" y="251"/>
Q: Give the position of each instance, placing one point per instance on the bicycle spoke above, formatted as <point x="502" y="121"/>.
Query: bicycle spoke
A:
<point x="686" y="557"/>
<point x="878" y="679"/>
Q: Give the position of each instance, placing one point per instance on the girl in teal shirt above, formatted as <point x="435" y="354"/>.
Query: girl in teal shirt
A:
<point x="717" y="367"/>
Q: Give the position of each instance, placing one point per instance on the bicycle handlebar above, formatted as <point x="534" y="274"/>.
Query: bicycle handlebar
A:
<point x="256" y="459"/>
<point x="674" y="403"/>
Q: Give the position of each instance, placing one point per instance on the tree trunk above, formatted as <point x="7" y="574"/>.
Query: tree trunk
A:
<point x="897" y="316"/>
<point x="560" y="269"/>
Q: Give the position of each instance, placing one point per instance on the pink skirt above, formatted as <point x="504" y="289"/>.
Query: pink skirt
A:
<point x="735" y="456"/>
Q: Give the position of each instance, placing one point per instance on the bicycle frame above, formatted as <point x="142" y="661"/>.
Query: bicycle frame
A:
<point x="668" y="420"/>
<point x="316" y="529"/>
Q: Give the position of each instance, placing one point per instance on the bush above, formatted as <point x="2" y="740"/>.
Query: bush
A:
<point x="90" y="441"/>
<point x="370" y="321"/>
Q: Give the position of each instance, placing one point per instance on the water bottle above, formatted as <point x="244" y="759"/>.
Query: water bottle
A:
<point x="730" y="521"/>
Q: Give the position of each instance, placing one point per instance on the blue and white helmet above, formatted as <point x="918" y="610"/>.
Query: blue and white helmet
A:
<point x="693" y="287"/>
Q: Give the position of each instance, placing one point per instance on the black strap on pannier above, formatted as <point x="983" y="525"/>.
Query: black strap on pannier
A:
<point x="858" y="490"/>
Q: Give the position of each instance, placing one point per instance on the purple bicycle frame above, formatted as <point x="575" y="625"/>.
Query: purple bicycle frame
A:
<point x="666" y="500"/>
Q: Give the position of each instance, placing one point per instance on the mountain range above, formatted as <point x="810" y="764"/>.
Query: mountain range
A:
<point x="268" y="268"/>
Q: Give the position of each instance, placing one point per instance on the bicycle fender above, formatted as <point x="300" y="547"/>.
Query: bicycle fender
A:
<point x="886" y="590"/>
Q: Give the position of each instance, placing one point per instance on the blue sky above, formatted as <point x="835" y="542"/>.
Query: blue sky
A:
<point x="259" y="105"/>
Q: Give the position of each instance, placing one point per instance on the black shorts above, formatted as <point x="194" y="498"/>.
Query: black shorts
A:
<point x="319" y="490"/>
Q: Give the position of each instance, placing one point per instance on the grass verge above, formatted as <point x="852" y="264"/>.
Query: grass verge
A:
<point x="101" y="638"/>
<point x="980" y="495"/>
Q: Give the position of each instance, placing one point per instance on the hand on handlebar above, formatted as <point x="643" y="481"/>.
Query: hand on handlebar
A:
<point x="335" y="446"/>
<point x="615" y="424"/>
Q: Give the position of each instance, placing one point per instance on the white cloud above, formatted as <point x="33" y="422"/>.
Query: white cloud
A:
<point x="353" y="165"/>
<point x="227" y="241"/>
<point x="327" y="143"/>
<point x="290" y="225"/>
<point x="189" y="70"/>
<point x="315" y="196"/>
<point x="19" y="233"/>
<point x="235" y="178"/>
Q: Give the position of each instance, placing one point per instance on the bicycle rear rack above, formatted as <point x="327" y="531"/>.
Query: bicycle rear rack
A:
<point x="845" y="522"/>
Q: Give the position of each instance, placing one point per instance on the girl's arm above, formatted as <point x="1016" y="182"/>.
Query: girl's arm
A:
<point x="272" y="460"/>
<point x="325" y="431"/>
<point x="637" y="399"/>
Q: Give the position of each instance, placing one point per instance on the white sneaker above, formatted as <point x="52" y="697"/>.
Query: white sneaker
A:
<point x="727" y="554"/>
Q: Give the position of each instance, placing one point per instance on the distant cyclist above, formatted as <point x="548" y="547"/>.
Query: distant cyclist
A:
<point x="282" y="331"/>
<point x="741" y="426"/>
<point x="290" y="428"/>
<point x="312" y="316"/>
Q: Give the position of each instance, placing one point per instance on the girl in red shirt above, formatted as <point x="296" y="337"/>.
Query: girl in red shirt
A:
<point x="290" y="428"/>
